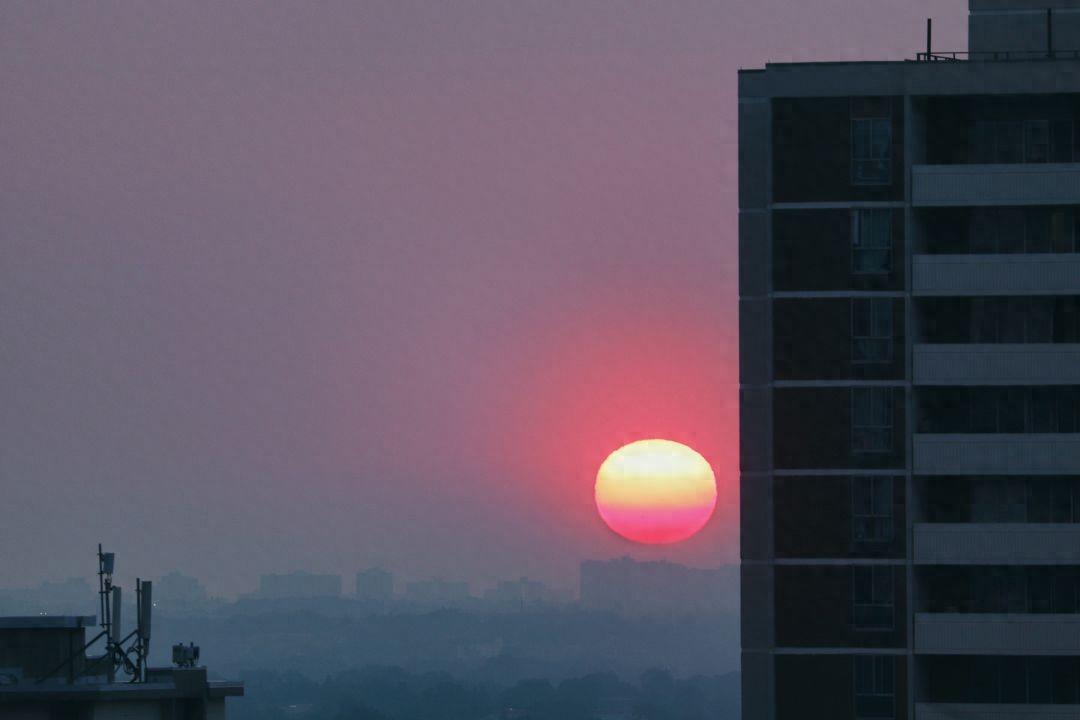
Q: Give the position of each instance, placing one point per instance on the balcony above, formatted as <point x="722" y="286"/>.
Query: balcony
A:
<point x="996" y="634"/>
<point x="978" y="711"/>
<point x="1014" y="184"/>
<point x="1034" y="274"/>
<point x="998" y="364"/>
<point x="997" y="544"/>
<point x="989" y="454"/>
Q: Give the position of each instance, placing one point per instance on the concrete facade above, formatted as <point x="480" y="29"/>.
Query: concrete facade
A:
<point x="909" y="307"/>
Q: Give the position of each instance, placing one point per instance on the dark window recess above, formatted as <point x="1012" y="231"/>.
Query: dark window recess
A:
<point x="999" y="410"/>
<point x="990" y="320"/>
<point x="871" y="509"/>
<point x="1022" y="141"/>
<point x="871" y="242"/>
<point x="871" y="419"/>
<point x="1013" y="320"/>
<point x="872" y="597"/>
<point x="1002" y="679"/>
<point x="871" y="330"/>
<point x="875" y="687"/>
<point x="1004" y="230"/>
<point x="871" y="150"/>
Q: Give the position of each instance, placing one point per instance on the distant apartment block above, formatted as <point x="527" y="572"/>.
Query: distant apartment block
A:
<point x="375" y="584"/>
<point x="52" y="598"/>
<point x="520" y="594"/>
<point x="298" y="585"/>
<point x="631" y="587"/>
<point x="437" y="592"/>
<point x="179" y="593"/>
<point x="909" y="281"/>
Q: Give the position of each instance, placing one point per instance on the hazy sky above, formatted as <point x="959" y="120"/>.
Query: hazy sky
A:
<point x="325" y="285"/>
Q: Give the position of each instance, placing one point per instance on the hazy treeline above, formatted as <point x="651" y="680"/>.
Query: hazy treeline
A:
<point x="391" y="693"/>
<point x="487" y="648"/>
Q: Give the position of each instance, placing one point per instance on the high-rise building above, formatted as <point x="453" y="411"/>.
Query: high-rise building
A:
<point x="298" y="585"/>
<point x="634" y="587"/>
<point x="910" y="378"/>
<point x="375" y="584"/>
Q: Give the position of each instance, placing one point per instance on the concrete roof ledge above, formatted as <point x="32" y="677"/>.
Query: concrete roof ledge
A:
<point x="47" y="622"/>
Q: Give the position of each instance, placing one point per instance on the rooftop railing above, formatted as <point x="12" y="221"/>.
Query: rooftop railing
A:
<point x="996" y="55"/>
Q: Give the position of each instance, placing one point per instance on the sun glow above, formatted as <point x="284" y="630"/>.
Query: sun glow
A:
<point x="655" y="491"/>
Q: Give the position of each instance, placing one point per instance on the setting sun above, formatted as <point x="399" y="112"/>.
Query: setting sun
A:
<point x="655" y="491"/>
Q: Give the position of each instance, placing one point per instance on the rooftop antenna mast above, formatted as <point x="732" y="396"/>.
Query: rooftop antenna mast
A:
<point x="1049" y="32"/>
<point x="134" y="658"/>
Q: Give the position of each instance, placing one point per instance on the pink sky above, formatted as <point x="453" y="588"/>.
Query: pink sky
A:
<point x="329" y="285"/>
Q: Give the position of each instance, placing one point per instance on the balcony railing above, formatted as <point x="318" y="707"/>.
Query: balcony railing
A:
<point x="997" y="454"/>
<point x="1001" y="184"/>
<point x="997" y="364"/>
<point x="997" y="543"/>
<point x="959" y="275"/>
<point x="995" y="711"/>
<point x="996" y="634"/>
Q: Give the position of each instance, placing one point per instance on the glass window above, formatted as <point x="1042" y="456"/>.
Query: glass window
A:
<point x="871" y="151"/>
<point x="1013" y="320"/>
<point x="1042" y="411"/>
<point x="871" y="330"/>
<point x="1013" y="680"/>
<point x="874" y="687"/>
<point x="983" y="230"/>
<point x="984" y="319"/>
<point x="1065" y="409"/>
<point x="1010" y="142"/>
<point x="1037" y="230"/>
<point x="1039" y="501"/>
<point x="1011" y="226"/>
<point x="871" y="238"/>
<point x="872" y="597"/>
<point x="871" y="426"/>
<point x="984" y="404"/>
<point x="1039" y="326"/>
<point x="983" y="142"/>
<point x="1012" y="409"/>
<point x="1062" y="230"/>
<point x="1037" y="141"/>
<point x="872" y="509"/>
<point x="1061" y="141"/>
<point x="1040" y="590"/>
<point x="1040" y="680"/>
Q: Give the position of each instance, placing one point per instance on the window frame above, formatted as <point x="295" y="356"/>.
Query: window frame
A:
<point x="883" y="518"/>
<point x="875" y="317"/>
<point x="875" y="122"/>
<point x="884" y="606"/>
<point x="882" y="676"/>
<point x="858" y="224"/>
<point x="883" y="431"/>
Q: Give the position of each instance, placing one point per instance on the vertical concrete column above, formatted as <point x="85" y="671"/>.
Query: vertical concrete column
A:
<point x="756" y="408"/>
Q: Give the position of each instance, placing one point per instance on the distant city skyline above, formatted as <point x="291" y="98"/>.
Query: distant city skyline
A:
<point x="374" y="282"/>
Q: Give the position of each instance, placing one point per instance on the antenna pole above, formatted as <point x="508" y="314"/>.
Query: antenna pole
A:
<point x="101" y="587"/>
<point x="929" y="37"/>
<point x="1049" y="32"/>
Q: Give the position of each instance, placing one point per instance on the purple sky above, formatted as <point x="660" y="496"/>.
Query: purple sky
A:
<point x="327" y="285"/>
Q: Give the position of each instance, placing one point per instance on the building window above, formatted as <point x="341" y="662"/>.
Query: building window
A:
<point x="1027" y="141"/>
<point x="871" y="242"/>
<point x="872" y="509"/>
<point x="875" y="694"/>
<point x="871" y="330"/>
<point x="871" y="419"/>
<point x="871" y="151"/>
<point x="872" y="597"/>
